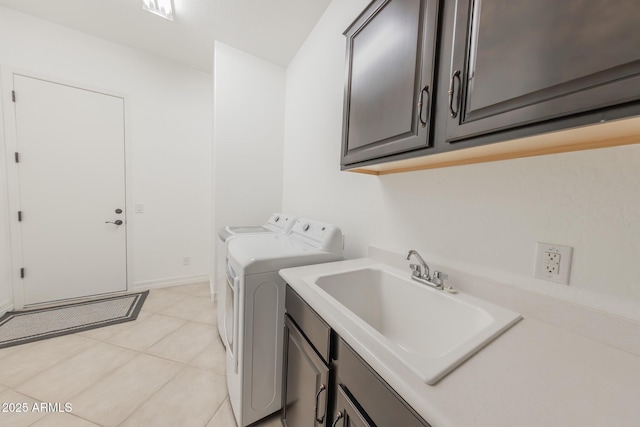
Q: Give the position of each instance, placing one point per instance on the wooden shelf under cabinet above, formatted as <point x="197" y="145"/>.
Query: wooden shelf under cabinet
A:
<point x="603" y="135"/>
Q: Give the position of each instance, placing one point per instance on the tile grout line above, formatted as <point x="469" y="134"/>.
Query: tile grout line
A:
<point x="37" y="419"/>
<point x="218" y="409"/>
<point x="55" y="364"/>
<point x="103" y="376"/>
<point x="68" y="413"/>
<point x="137" y="354"/>
<point x="183" y="296"/>
<point x="155" y="342"/>
<point x="94" y="341"/>
<point x="153" y="394"/>
<point x="188" y="363"/>
<point x="86" y="388"/>
<point x="143" y="352"/>
<point x="184" y="366"/>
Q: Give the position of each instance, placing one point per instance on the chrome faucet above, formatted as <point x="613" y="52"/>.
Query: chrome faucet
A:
<point x="436" y="281"/>
<point x="416" y="270"/>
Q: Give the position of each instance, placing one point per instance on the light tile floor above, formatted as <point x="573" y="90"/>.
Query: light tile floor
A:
<point x="167" y="368"/>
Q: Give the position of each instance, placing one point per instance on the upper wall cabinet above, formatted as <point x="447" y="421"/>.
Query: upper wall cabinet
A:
<point x="516" y="63"/>
<point x="390" y="79"/>
<point x="535" y="71"/>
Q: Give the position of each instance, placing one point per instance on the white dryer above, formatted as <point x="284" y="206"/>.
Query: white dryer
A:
<point x="254" y="310"/>
<point x="277" y="223"/>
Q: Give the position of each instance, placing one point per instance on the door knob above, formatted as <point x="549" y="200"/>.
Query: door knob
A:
<point x="116" y="222"/>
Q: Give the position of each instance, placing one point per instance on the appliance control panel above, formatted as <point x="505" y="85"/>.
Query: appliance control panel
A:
<point x="283" y="222"/>
<point x="310" y="228"/>
<point x="319" y="235"/>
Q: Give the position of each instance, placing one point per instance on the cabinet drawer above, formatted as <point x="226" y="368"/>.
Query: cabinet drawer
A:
<point x="314" y="328"/>
<point x="380" y="403"/>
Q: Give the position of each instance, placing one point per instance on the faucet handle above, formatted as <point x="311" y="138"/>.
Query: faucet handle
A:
<point x="439" y="277"/>
<point x="415" y="270"/>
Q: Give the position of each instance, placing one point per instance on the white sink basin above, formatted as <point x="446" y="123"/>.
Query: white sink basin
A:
<point x="430" y="331"/>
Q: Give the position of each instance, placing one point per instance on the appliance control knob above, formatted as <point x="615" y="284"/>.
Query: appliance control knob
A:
<point x="306" y="227"/>
<point x="276" y="219"/>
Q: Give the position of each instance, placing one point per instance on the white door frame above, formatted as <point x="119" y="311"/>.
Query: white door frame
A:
<point x="12" y="177"/>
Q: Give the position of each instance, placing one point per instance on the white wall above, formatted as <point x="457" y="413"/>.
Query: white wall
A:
<point x="248" y="139"/>
<point x="168" y="120"/>
<point x="484" y="218"/>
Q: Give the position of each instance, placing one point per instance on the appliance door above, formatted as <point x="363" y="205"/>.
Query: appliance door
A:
<point x="220" y="285"/>
<point x="232" y="296"/>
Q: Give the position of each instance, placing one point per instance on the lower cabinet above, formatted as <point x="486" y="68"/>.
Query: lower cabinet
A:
<point x="347" y="415"/>
<point x="306" y="381"/>
<point x="377" y="401"/>
<point x="326" y="383"/>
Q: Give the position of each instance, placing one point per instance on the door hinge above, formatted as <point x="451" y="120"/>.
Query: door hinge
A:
<point x="22" y="273"/>
<point x="17" y="158"/>
<point x="20" y="216"/>
<point x="13" y="95"/>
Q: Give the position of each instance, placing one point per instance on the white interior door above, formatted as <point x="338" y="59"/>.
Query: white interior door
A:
<point x="72" y="180"/>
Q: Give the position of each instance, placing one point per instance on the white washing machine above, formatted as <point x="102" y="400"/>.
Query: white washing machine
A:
<point x="254" y="310"/>
<point x="277" y="223"/>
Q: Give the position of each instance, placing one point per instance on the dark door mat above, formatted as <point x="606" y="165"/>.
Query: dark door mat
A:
<point x="21" y="327"/>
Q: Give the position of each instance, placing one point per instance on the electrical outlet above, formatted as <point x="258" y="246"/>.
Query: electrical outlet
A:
<point x="553" y="262"/>
<point x="552" y="258"/>
<point x="551" y="268"/>
<point x="186" y="260"/>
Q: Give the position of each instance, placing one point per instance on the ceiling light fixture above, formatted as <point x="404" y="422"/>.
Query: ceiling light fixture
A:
<point x="162" y="8"/>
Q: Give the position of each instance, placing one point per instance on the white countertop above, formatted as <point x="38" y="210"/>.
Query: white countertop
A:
<point x="534" y="374"/>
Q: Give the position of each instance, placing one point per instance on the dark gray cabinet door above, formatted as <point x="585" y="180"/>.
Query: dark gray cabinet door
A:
<point x="389" y="82"/>
<point x="516" y="63"/>
<point x="347" y="415"/>
<point x="375" y="398"/>
<point x="305" y="382"/>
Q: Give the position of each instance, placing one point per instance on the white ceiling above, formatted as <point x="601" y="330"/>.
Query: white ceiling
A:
<point x="271" y="29"/>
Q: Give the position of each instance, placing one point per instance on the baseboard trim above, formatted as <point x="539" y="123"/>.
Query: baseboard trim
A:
<point x="174" y="281"/>
<point x="4" y="307"/>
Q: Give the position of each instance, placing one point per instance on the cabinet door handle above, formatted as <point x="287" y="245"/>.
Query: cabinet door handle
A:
<point x="454" y="77"/>
<point x="423" y="123"/>
<point x="315" y="409"/>
<point x="339" y="416"/>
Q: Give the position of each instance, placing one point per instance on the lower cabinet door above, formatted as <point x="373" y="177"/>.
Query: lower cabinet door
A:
<point x="347" y="415"/>
<point x="382" y="406"/>
<point x="305" y="382"/>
